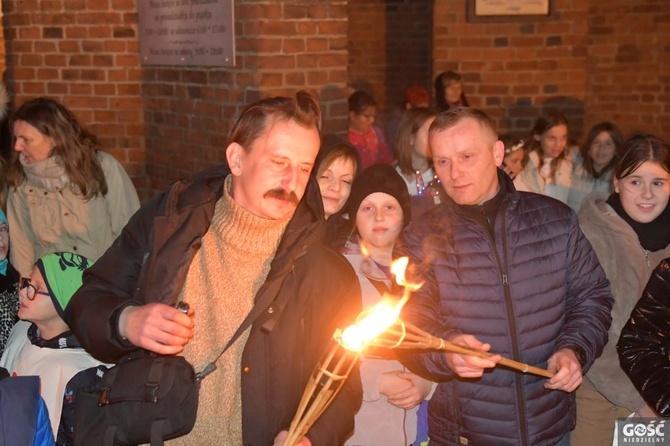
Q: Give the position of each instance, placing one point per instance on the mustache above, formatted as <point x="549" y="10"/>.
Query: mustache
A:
<point x="282" y="194"/>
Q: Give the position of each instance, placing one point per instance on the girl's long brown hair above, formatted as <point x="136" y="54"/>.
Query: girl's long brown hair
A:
<point x="74" y="148"/>
<point x="543" y="125"/>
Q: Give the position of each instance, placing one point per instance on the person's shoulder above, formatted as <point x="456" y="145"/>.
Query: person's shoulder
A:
<point x="542" y="205"/>
<point x="437" y="216"/>
<point x="107" y="161"/>
<point x="203" y="188"/>
<point x="594" y="204"/>
<point x="321" y="257"/>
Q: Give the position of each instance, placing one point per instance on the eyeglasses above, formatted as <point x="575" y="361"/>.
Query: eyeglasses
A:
<point x="31" y="289"/>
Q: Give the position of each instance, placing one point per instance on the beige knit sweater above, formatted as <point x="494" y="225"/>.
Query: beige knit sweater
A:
<point x="220" y="286"/>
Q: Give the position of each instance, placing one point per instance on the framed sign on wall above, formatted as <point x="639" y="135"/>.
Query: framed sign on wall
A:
<point x="509" y="10"/>
<point x="187" y="32"/>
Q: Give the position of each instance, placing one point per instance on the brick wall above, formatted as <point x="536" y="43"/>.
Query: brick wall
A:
<point x="166" y="123"/>
<point x="629" y="64"/>
<point x="516" y="70"/>
<point x="3" y="61"/>
<point x="281" y="47"/>
<point x="390" y="47"/>
<point x="83" y="53"/>
<point x="596" y="60"/>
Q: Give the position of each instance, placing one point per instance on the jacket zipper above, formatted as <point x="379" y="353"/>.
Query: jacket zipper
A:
<point x="502" y="267"/>
<point x="646" y="256"/>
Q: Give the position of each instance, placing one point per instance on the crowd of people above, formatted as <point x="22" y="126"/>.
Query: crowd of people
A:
<point x="532" y="249"/>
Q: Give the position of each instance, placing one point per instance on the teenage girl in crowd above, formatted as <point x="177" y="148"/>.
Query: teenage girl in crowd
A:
<point x="516" y="155"/>
<point x="449" y="91"/>
<point x="64" y="194"/>
<point x="593" y="165"/>
<point x="335" y="169"/>
<point x="380" y="204"/>
<point x="549" y="168"/>
<point x="630" y="233"/>
<point x="414" y="163"/>
<point x="368" y="139"/>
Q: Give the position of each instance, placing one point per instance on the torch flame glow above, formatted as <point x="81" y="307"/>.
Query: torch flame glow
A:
<point x="381" y="317"/>
<point x="374" y="322"/>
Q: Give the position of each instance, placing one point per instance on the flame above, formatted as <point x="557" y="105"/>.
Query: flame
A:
<point x="372" y="323"/>
<point x="398" y="268"/>
<point x="382" y="316"/>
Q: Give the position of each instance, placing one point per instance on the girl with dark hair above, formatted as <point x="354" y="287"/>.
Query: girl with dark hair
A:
<point x="336" y="166"/>
<point x="368" y="139"/>
<point x="593" y="165"/>
<point x="549" y="169"/>
<point x="414" y="162"/>
<point x="449" y="91"/>
<point x="630" y="233"/>
<point x="64" y="194"/>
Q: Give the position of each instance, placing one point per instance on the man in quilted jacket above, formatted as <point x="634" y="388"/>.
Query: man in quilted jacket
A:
<point x="507" y="272"/>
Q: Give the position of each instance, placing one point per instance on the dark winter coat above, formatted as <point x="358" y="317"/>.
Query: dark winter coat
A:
<point x="149" y="263"/>
<point x="528" y="283"/>
<point x="644" y="345"/>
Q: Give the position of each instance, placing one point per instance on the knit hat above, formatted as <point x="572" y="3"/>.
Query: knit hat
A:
<point x="62" y="273"/>
<point x="380" y="178"/>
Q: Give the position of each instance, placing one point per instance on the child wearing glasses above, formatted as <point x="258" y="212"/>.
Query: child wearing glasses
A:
<point x="42" y="343"/>
<point x="9" y="277"/>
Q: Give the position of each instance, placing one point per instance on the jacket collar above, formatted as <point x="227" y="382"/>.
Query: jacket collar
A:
<point x="506" y="190"/>
<point x="305" y="227"/>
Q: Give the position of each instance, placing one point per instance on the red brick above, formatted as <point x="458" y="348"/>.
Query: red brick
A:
<point x="80" y="88"/>
<point x="57" y="88"/>
<point x="295" y="79"/>
<point x="47" y="73"/>
<point x="76" y="32"/>
<point x="43" y="46"/>
<point x="293" y="46"/>
<point x="34" y="88"/>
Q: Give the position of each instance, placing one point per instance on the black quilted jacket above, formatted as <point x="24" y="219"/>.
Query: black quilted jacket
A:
<point x="644" y="345"/>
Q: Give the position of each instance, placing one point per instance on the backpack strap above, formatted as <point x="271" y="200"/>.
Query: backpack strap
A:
<point x="157" y="429"/>
<point x="110" y="434"/>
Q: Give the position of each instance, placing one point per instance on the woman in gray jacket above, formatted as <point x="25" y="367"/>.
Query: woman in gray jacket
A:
<point x="630" y="233"/>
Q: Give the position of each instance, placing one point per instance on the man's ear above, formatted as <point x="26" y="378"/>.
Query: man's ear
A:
<point x="235" y="157"/>
<point x="498" y="152"/>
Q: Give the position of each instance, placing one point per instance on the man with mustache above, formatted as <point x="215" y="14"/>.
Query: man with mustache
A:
<point x="233" y="238"/>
